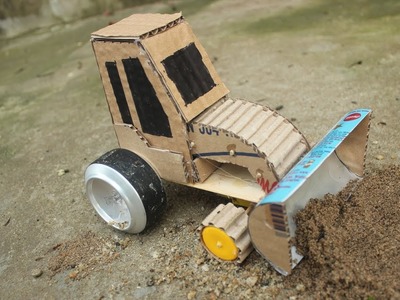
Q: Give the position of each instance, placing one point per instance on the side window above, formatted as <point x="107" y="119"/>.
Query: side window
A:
<point x="187" y="70"/>
<point x="118" y="90"/>
<point x="151" y="114"/>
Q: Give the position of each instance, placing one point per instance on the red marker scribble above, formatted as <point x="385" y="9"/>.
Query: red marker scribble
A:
<point x="265" y="185"/>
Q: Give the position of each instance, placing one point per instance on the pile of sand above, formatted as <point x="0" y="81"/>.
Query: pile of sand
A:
<point x="351" y="241"/>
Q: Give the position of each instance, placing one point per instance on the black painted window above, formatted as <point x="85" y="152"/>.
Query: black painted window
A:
<point x="119" y="94"/>
<point x="189" y="73"/>
<point x="151" y="114"/>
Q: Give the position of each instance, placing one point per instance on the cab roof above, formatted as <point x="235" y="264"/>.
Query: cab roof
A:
<point x="138" y="26"/>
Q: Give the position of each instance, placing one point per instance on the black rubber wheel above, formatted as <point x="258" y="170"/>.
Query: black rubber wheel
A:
<point x="125" y="191"/>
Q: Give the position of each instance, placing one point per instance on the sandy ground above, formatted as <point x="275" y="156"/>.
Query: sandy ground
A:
<point x="315" y="59"/>
<point x="351" y="240"/>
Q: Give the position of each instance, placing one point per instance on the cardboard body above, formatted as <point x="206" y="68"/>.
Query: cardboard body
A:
<point x="134" y="57"/>
<point x="327" y="168"/>
<point x="169" y="105"/>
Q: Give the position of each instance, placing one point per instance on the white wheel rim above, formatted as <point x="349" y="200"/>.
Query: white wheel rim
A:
<point x="115" y="199"/>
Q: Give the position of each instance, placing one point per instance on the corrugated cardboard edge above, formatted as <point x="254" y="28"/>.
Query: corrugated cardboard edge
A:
<point x="217" y="144"/>
<point x="139" y="26"/>
<point x="247" y="121"/>
<point x="216" y="141"/>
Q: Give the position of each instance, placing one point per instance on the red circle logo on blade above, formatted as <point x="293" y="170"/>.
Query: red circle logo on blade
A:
<point x="353" y="116"/>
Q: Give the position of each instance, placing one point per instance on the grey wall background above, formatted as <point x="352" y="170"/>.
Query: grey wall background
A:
<point x="21" y="16"/>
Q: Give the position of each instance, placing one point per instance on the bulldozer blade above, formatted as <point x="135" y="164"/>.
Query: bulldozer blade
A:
<point x="337" y="159"/>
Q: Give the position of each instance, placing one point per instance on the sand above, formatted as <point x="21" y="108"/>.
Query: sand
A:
<point x="351" y="241"/>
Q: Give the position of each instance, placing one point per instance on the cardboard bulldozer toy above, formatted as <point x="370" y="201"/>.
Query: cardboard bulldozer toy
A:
<point x="175" y="121"/>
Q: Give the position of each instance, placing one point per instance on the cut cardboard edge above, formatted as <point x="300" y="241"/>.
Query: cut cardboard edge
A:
<point x="353" y="149"/>
<point x="204" y="168"/>
<point x="138" y="25"/>
<point x="296" y="188"/>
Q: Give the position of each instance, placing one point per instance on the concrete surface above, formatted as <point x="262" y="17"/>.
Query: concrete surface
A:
<point x="318" y="59"/>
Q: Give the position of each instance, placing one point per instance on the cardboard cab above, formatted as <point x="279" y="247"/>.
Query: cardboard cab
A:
<point x="157" y="78"/>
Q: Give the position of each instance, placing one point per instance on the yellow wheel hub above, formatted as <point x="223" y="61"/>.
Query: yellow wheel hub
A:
<point x="219" y="243"/>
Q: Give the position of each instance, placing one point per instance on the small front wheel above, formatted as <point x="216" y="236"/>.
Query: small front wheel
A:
<point x="224" y="233"/>
<point x="125" y="191"/>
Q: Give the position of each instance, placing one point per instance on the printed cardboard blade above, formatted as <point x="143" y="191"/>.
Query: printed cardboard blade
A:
<point x="337" y="159"/>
